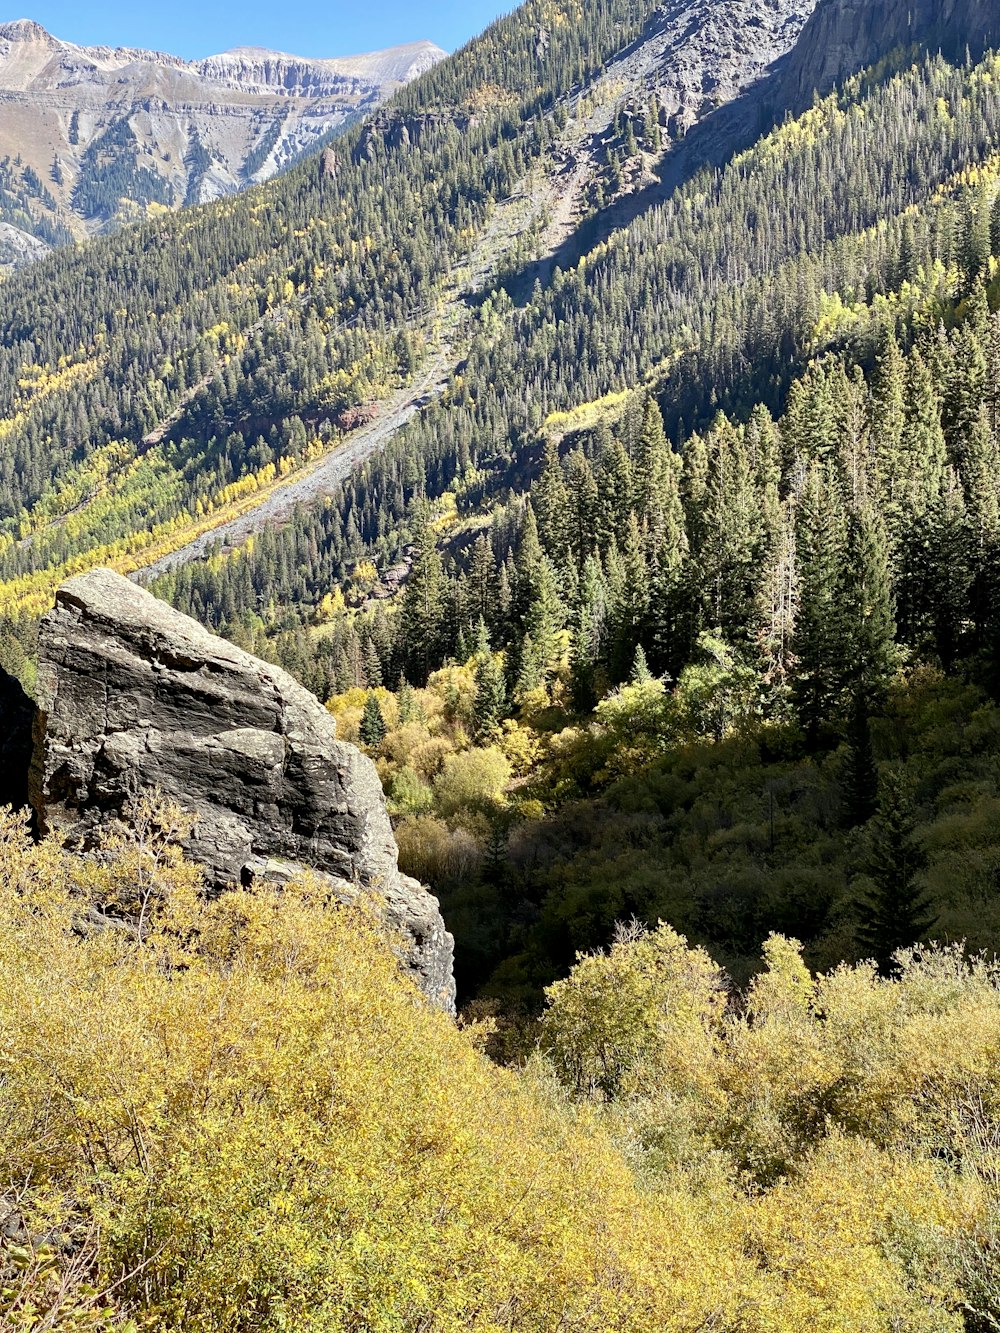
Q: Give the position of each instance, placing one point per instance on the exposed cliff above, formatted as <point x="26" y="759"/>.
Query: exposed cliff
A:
<point x="133" y="696"/>
<point x="845" y="36"/>
<point x="94" y="134"/>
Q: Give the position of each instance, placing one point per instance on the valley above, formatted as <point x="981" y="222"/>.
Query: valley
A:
<point x="560" y="506"/>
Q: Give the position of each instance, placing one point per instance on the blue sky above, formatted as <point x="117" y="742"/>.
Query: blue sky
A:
<point x="193" y="28"/>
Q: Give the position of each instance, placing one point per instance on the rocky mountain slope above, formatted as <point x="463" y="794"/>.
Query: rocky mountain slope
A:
<point x="845" y="36"/>
<point x="92" y="135"/>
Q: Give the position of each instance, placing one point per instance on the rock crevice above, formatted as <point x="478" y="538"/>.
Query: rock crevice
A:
<point x="133" y="697"/>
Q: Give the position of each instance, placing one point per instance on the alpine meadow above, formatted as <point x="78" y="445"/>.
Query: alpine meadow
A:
<point x="500" y="677"/>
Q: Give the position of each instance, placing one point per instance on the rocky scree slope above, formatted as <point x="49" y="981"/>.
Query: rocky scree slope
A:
<point x="103" y="133"/>
<point x="134" y="697"/>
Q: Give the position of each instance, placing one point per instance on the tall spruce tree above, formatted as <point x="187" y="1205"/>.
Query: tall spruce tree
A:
<point x="895" y="912"/>
<point x="423" y="612"/>
<point x="373" y="729"/>
<point x="821" y="644"/>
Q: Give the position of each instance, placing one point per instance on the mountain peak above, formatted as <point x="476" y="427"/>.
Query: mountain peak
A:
<point x="113" y="131"/>
<point x="24" y="30"/>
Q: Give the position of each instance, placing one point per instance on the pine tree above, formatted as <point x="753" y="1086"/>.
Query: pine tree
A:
<point x="588" y="646"/>
<point x="614" y="486"/>
<point x="734" y="539"/>
<point x="652" y="461"/>
<point x="888" y="422"/>
<point x="551" y="503"/>
<point x="950" y="570"/>
<point x="860" y="771"/>
<point x="869" y="603"/>
<point x="628" y="601"/>
<point x="373" y="728"/>
<point x="539" y="612"/>
<point x="581" y="507"/>
<point x="895" y="913"/>
<point x="491" y="696"/>
<point x="820" y="643"/>
<point x="424" y="610"/>
<point x="640" y="673"/>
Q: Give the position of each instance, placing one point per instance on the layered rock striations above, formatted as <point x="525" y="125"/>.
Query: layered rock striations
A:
<point x="134" y="697"/>
<point x="93" y="136"/>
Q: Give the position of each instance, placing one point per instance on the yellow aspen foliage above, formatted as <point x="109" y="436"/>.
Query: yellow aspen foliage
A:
<point x="236" y="1114"/>
<point x="266" y="1128"/>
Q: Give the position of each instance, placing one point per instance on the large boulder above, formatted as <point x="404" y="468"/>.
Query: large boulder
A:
<point x="134" y="697"/>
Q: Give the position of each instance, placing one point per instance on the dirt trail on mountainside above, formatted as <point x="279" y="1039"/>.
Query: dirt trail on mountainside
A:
<point x="688" y="49"/>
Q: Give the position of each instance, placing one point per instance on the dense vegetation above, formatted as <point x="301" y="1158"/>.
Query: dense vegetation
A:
<point x="248" y="326"/>
<point x="235" y="1115"/>
<point x="679" y="604"/>
<point x="817" y="589"/>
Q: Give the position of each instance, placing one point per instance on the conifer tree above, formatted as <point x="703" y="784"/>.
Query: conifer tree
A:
<point x="614" y="486"/>
<point x="491" y="690"/>
<point x="861" y="771"/>
<point x="551" y="503"/>
<point x="628" y="601"/>
<point x="589" y="636"/>
<point x="539" y="611"/>
<point x="732" y="552"/>
<point x="582" y="504"/>
<point x="895" y="913"/>
<point x="652" y="460"/>
<point x="373" y="728"/>
<point x="819" y="643"/>
<point x="869" y="603"/>
<point x="888" y="422"/>
<point x="423" y="613"/>
<point x="640" y="673"/>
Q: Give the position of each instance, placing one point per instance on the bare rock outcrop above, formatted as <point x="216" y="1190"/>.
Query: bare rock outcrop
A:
<point x="81" y="119"/>
<point x="844" y="36"/>
<point x="134" y="696"/>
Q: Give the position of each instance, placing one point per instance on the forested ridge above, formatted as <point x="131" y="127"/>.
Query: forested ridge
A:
<point x="734" y="472"/>
<point x="671" y="624"/>
<point x="752" y="608"/>
<point x="292" y="302"/>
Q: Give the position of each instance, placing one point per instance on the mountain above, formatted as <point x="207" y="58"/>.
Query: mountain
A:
<point x="606" y="429"/>
<point x="94" y="135"/>
<point x="544" y="378"/>
<point x="846" y="35"/>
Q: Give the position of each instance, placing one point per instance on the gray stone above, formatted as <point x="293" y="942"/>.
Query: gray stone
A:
<point x="844" y="36"/>
<point x="133" y="697"/>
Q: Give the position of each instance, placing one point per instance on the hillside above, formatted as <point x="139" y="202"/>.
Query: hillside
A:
<point x="323" y="260"/>
<point x="91" y="136"/>
<point x="402" y="300"/>
<point x="606" y="430"/>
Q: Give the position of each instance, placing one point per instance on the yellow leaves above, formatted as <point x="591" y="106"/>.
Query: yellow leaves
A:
<point x="331" y="606"/>
<point x="38" y="383"/>
<point x="641" y="1015"/>
<point x="254" y="1123"/>
<point x="588" y="415"/>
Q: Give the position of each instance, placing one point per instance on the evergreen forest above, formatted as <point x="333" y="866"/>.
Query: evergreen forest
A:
<point x="669" y="612"/>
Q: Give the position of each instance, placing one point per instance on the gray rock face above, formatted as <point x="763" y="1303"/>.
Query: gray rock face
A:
<point x="844" y="36"/>
<point x="134" y="696"/>
<point x="199" y="130"/>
